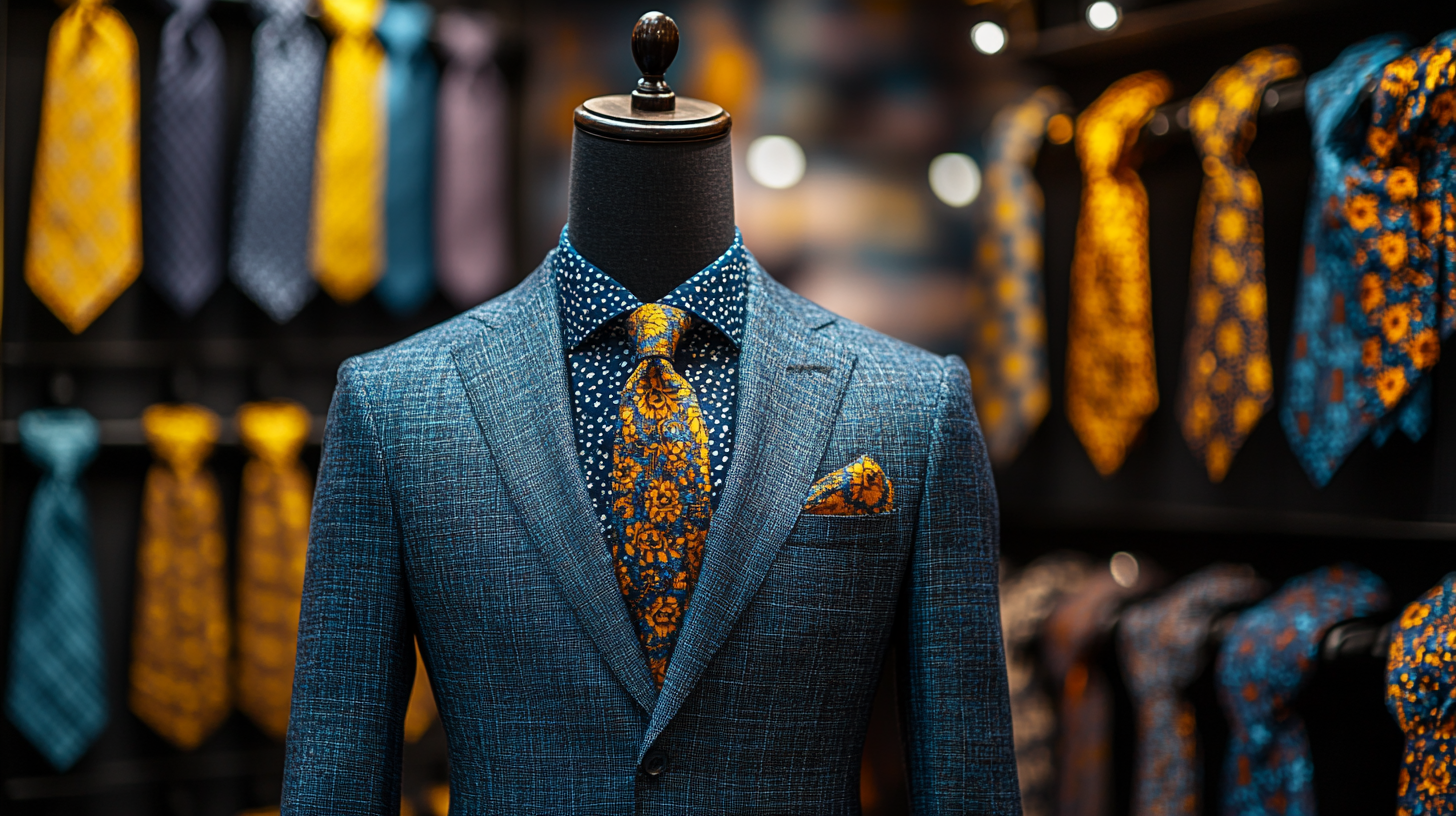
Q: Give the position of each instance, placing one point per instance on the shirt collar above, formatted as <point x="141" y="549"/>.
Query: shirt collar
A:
<point x="589" y="297"/>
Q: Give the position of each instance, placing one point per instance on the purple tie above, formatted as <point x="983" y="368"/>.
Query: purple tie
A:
<point x="471" y="230"/>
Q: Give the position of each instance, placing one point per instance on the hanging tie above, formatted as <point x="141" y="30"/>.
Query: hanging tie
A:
<point x="348" y="193"/>
<point x="84" y="245"/>
<point x="1112" y="385"/>
<point x="272" y="542"/>
<point x="184" y="160"/>
<point x="56" y="694"/>
<point x="1227" y="378"/>
<point x="1007" y="348"/>
<point x="180" y="638"/>
<point x="1161" y="644"/>
<point x="1265" y="660"/>
<point x="270" y="261"/>
<point x="472" y="229"/>
<point x="411" y="79"/>
<point x="1324" y="353"/>
<point x="660" y="485"/>
<point x="1420" y="682"/>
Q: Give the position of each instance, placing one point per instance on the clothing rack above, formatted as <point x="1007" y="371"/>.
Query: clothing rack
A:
<point x="128" y="432"/>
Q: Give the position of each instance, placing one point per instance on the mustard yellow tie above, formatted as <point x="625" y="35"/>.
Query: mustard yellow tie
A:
<point x="348" y="217"/>
<point x="180" y="638"/>
<point x="272" y="542"/>
<point x="84" y="245"/>
<point x="1227" y="379"/>
<point x="1112" y="386"/>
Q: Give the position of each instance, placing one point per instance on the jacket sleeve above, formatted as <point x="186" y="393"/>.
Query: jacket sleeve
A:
<point x="355" y="661"/>
<point x="952" y="666"/>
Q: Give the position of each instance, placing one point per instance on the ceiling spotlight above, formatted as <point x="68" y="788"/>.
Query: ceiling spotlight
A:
<point x="776" y="161"/>
<point x="1103" y="16"/>
<point x="955" y="179"/>
<point x="988" y="38"/>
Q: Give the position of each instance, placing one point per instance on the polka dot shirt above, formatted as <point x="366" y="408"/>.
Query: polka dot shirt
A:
<point x="593" y="311"/>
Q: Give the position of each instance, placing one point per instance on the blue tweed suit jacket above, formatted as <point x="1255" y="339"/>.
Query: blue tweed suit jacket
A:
<point x="450" y="503"/>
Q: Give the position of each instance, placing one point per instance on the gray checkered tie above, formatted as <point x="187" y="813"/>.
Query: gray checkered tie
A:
<point x="183" y="205"/>
<point x="275" y="173"/>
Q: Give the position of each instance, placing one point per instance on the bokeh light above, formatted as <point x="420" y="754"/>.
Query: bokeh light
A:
<point x="988" y="38"/>
<point x="955" y="178"/>
<point x="1103" y="16"/>
<point x="776" y="162"/>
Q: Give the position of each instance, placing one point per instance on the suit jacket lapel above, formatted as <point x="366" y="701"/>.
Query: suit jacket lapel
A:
<point x="515" y="376"/>
<point x="790" y="384"/>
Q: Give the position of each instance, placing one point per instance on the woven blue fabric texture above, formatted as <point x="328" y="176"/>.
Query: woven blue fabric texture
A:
<point x="56" y="694"/>
<point x="1264" y="663"/>
<point x="594" y="309"/>
<point x="274" y="205"/>
<point x="1420" y="680"/>
<point x="409" y="195"/>
<point x="451" y="503"/>
<point x="185" y="201"/>
<point x="1161" y="643"/>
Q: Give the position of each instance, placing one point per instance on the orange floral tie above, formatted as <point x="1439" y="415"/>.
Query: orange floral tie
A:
<point x="1227" y="379"/>
<point x="1112" y="386"/>
<point x="180" y="638"/>
<point x="660" y="485"/>
<point x="272" y="544"/>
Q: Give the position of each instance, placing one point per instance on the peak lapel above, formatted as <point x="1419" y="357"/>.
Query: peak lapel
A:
<point x="515" y="376"/>
<point x="791" y="381"/>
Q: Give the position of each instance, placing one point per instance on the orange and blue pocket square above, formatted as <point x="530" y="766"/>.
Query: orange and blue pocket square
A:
<point x="860" y="488"/>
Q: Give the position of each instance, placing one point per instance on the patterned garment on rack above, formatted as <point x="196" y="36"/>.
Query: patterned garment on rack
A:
<point x="1161" y="643"/>
<point x="1006" y="348"/>
<point x="661" y="483"/>
<point x="84" y="245"/>
<point x="1264" y="663"/>
<point x="269" y="260"/>
<point x="180" y="633"/>
<point x="272" y="543"/>
<point x="185" y="160"/>
<point x="1112" y="384"/>
<point x="56" y="691"/>
<point x="1318" y="418"/>
<point x="1027" y="598"/>
<point x="1074" y="637"/>
<point x="1227" y="379"/>
<point x="1421" y="695"/>
<point x="349" y="171"/>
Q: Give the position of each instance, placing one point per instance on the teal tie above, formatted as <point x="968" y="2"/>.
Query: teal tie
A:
<point x="410" y="79"/>
<point x="57" y="690"/>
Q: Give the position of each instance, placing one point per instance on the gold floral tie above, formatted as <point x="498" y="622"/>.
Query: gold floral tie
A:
<point x="84" y="246"/>
<point x="272" y="544"/>
<point x="348" y="220"/>
<point x="660" y="485"/>
<point x="180" y="638"/>
<point x="1227" y="379"/>
<point x="1112" y="385"/>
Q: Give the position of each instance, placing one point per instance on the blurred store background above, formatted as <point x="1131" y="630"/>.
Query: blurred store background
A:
<point x="861" y="167"/>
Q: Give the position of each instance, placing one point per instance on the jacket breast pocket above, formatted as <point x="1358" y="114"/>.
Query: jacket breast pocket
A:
<point x="875" y="532"/>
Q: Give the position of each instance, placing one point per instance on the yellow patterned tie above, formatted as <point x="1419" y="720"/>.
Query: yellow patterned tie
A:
<point x="272" y="543"/>
<point x="180" y="638"/>
<point x="1227" y="379"/>
<point x="1112" y="385"/>
<point x="348" y="218"/>
<point x="660" y="485"/>
<point x="84" y="246"/>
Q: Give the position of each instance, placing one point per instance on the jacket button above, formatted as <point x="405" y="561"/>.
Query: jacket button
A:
<point x="655" y="763"/>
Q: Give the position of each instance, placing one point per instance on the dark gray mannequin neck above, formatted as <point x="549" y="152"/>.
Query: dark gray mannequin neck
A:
<point x="650" y="214"/>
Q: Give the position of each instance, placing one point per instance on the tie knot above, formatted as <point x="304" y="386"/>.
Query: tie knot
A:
<point x="60" y="440"/>
<point x="274" y="431"/>
<point x="181" y="435"/>
<point x="656" y="330"/>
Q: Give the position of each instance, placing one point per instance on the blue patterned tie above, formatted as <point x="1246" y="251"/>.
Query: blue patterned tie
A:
<point x="57" y="690"/>
<point x="410" y="79"/>
<point x="184" y="165"/>
<point x="275" y="173"/>
<point x="1321" y="425"/>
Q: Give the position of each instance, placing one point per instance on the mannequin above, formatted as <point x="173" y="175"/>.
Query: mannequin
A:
<point x="651" y="189"/>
